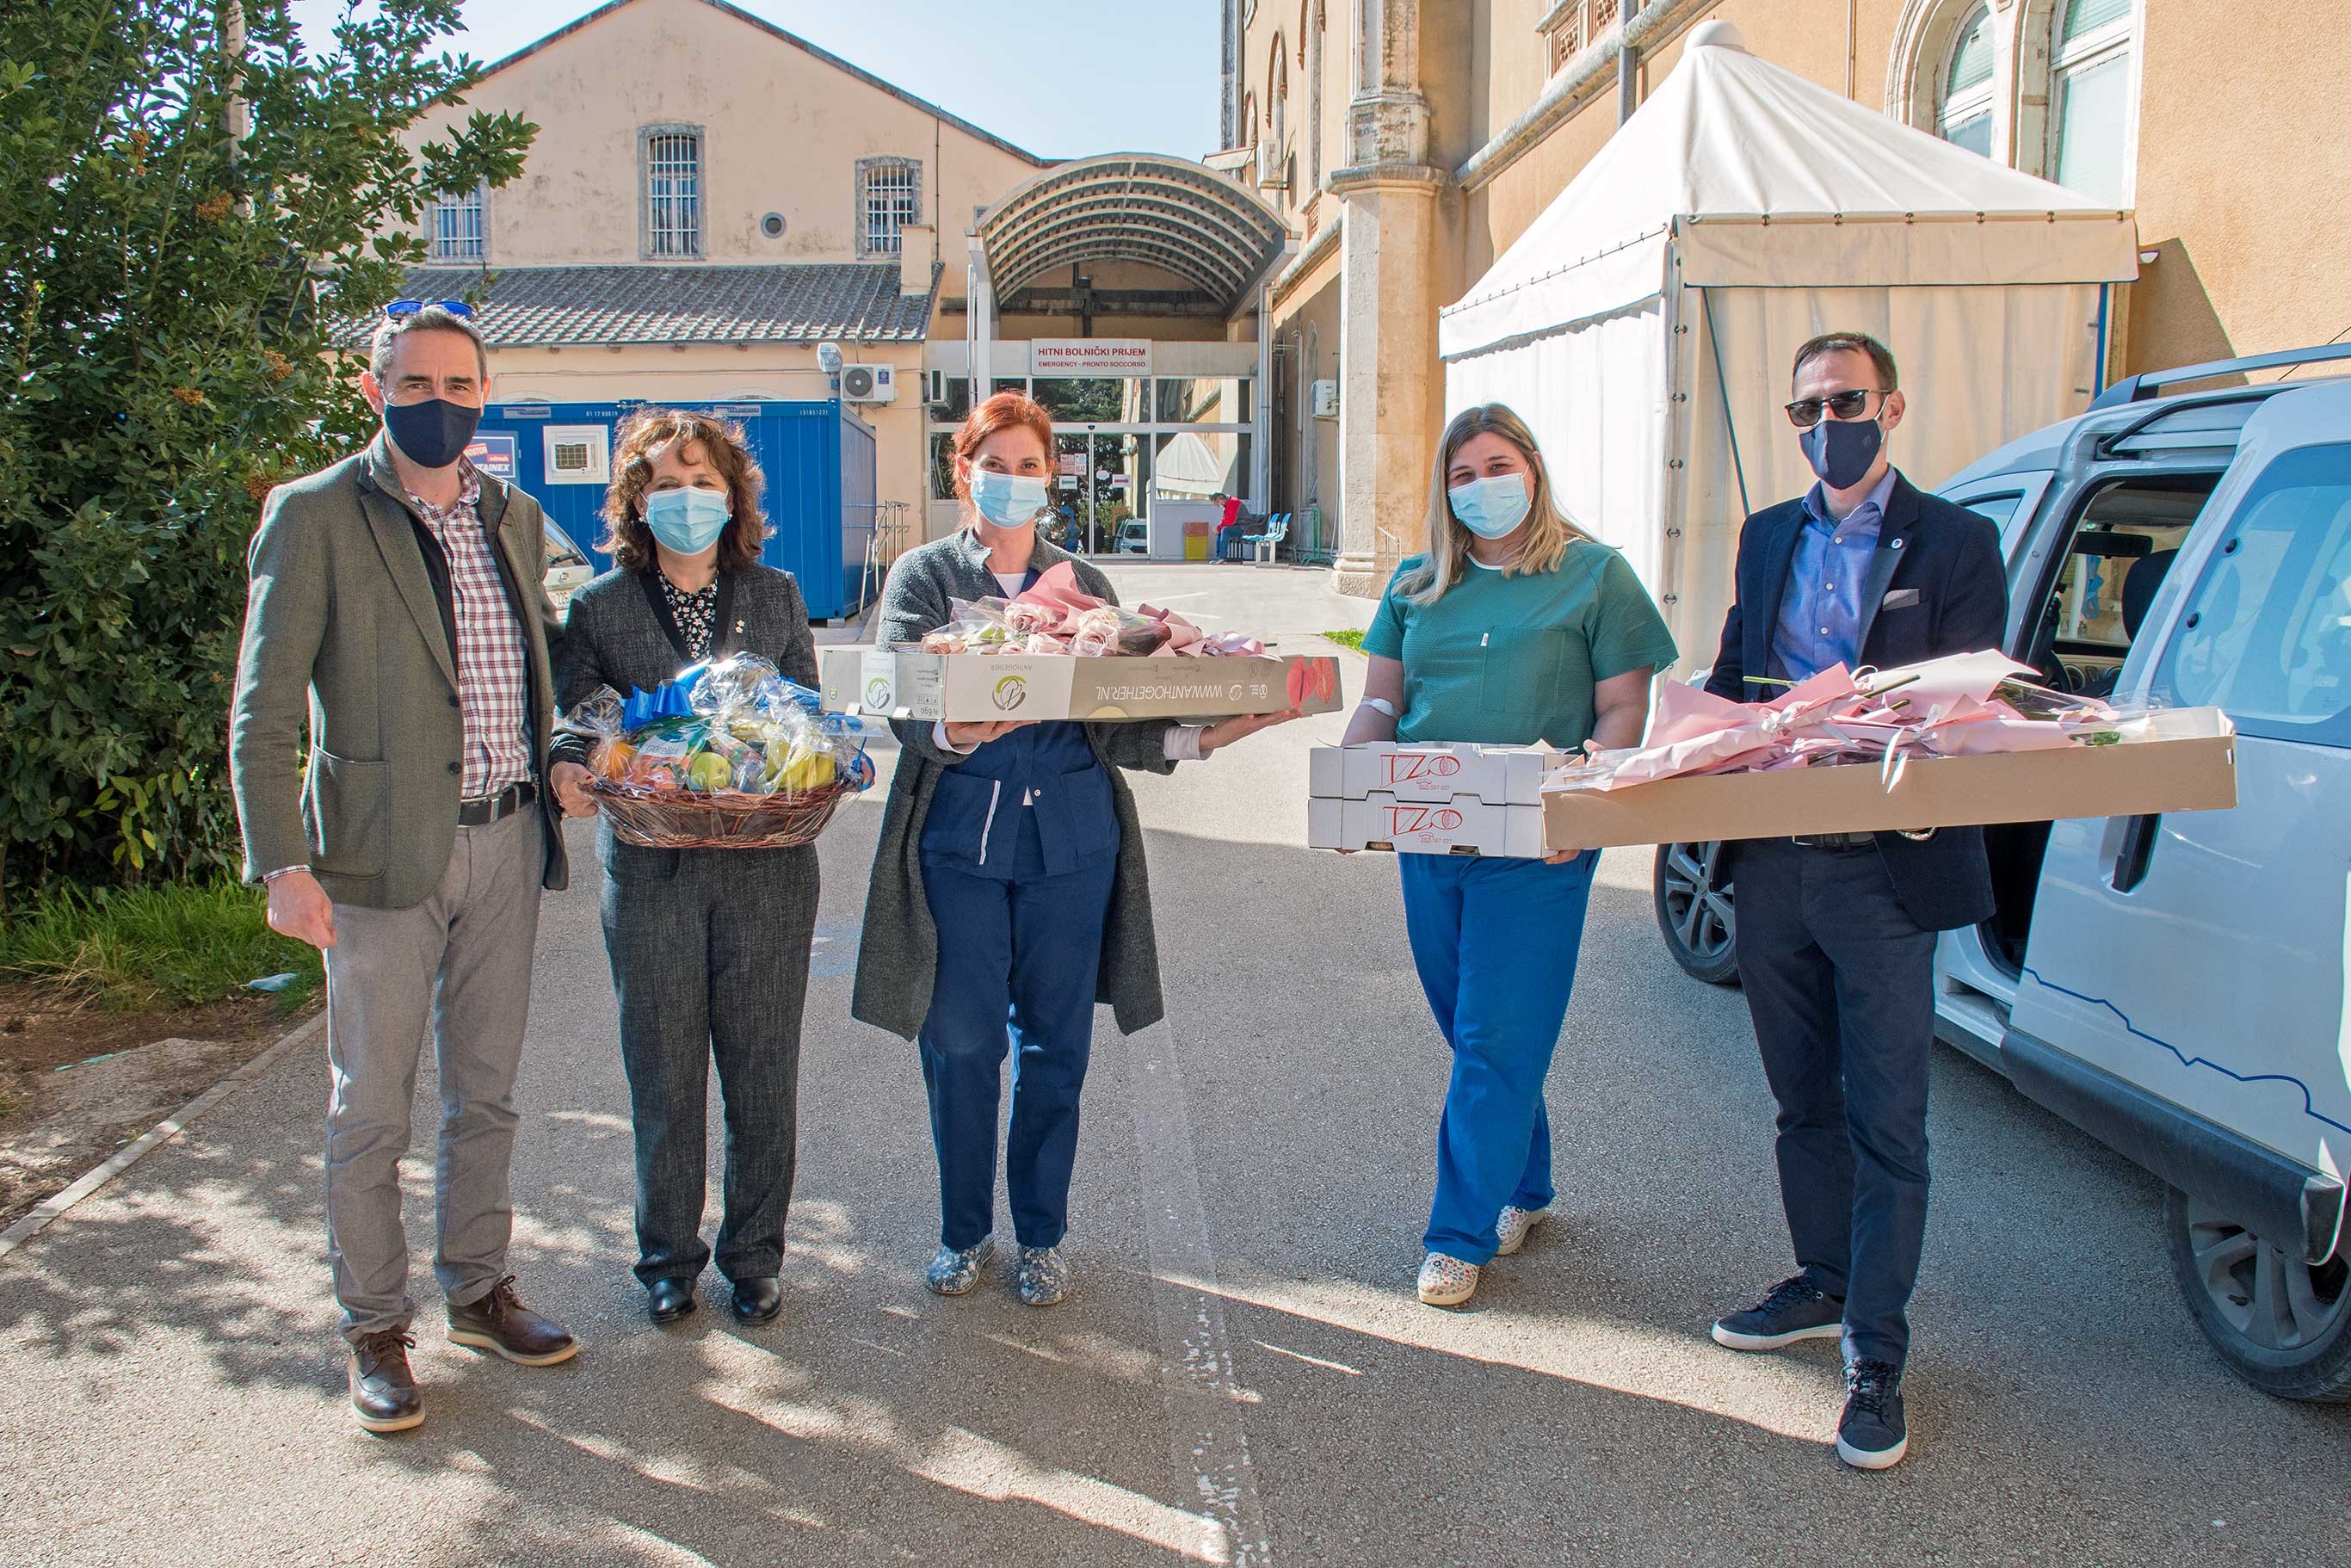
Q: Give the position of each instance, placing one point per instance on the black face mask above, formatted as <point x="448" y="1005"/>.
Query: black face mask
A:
<point x="432" y="433"/>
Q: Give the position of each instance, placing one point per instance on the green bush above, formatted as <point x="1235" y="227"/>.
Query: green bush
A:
<point x="1346" y="639"/>
<point x="170" y="294"/>
<point x="174" y="945"/>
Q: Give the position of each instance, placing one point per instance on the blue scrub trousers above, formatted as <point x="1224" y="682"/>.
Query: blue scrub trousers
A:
<point x="1495" y="942"/>
<point x="1020" y="959"/>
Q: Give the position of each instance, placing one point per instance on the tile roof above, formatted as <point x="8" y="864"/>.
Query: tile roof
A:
<point x="791" y="302"/>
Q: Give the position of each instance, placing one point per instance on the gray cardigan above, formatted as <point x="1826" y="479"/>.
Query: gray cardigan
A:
<point x="612" y="638"/>
<point x="897" y="961"/>
<point x="345" y="619"/>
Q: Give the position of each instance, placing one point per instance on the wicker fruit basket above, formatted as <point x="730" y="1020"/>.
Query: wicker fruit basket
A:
<point x="671" y="818"/>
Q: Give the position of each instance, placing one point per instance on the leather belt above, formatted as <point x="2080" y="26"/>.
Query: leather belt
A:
<point x="488" y="809"/>
<point x="1834" y="841"/>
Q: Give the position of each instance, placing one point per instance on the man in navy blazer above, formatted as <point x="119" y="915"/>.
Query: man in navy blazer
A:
<point x="1836" y="932"/>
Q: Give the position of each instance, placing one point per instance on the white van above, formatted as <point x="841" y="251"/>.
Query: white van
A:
<point x="2177" y="986"/>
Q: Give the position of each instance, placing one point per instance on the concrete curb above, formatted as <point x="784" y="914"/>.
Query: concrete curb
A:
<point x="155" y="1137"/>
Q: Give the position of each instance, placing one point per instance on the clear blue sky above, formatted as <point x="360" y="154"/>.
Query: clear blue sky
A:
<point x="1060" y="77"/>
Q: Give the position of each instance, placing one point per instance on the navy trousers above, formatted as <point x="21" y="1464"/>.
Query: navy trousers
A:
<point x="1019" y="964"/>
<point x="1495" y="942"/>
<point x="1840" y="982"/>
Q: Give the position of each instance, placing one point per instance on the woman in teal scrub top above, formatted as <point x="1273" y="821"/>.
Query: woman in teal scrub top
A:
<point x="1514" y="628"/>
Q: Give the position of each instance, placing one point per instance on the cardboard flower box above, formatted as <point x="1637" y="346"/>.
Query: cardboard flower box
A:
<point x="2181" y="759"/>
<point x="970" y="688"/>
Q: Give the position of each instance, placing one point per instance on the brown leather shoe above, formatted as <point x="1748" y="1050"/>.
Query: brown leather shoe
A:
<point x="500" y="1323"/>
<point x="383" y="1390"/>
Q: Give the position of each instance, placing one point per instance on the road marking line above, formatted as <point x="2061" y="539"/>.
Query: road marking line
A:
<point x="1209" y="1440"/>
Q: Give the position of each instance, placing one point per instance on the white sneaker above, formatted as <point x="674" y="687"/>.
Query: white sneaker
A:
<point x="1513" y="1225"/>
<point x="1446" y="1282"/>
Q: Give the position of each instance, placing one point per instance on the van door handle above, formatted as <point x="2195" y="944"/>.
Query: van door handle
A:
<point x="2137" y="849"/>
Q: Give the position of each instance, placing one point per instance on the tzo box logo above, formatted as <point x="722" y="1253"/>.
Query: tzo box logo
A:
<point x="1413" y="767"/>
<point x="1405" y="821"/>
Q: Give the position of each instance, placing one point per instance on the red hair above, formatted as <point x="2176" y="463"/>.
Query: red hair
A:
<point x="1005" y="411"/>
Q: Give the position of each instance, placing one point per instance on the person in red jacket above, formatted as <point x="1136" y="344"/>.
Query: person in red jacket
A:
<point x="1225" y="538"/>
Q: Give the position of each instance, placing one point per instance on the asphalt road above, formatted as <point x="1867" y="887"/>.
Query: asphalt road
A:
<point x="1243" y="1375"/>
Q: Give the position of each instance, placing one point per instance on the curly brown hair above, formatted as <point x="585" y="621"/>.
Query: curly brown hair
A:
<point x="640" y="438"/>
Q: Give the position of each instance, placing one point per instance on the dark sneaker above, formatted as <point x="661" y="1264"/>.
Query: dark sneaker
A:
<point x="383" y="1390"/>
<point x="1796" y="1309"/>
<point x="1872" y="1435"/>
<point x="501" y="1324"/>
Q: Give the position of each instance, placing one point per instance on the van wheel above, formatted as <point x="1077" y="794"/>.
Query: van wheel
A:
<point x="1694" y="911"/>
<point x="2281" y="1324"/>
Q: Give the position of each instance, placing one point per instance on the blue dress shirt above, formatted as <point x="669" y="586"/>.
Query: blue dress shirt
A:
<point x="1819" y="625"/>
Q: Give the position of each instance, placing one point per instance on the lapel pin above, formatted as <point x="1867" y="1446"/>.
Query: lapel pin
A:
<point x="1898" y="543"/>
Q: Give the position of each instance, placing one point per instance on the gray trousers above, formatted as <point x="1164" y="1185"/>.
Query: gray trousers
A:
<point x="710" y="961"/>
<point x="459" y="962"/>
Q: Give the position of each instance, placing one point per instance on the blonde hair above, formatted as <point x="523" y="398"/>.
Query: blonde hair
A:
<point x="1547" y="530"/>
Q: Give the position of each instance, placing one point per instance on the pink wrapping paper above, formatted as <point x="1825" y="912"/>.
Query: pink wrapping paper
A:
<point x="1943" y="708"/>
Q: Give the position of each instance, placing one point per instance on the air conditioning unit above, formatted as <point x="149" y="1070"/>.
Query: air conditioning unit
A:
<point x="578" y="454"/>
<point x="1324" y="397"/>
<point x="868" y="383"/>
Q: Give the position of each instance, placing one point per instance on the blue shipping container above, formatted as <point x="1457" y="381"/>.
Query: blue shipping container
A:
<point x="818" y="457"/>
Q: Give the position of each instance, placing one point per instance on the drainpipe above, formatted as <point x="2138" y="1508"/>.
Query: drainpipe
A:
<point x="1850" y="47"/>
<point x="1628" y="69"/>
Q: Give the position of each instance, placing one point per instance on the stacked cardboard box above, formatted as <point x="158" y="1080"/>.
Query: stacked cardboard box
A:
<point x="1447" y="797"/>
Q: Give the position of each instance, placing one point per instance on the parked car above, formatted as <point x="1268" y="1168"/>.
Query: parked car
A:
<point x="2176" y="986"/>
<point x="567" y="567"/>
<point x="1133" y="538"/>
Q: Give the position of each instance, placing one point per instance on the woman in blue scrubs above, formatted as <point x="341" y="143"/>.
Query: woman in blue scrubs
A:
<point x="1010" y="892"/>
<point x="1513" y="628"/>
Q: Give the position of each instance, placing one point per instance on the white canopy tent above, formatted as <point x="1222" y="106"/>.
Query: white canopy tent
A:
<point x="1643" y="325"/>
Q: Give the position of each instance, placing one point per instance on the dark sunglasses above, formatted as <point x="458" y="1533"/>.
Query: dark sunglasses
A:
<point x="1806" y="412"/>
<point x="398" y="308"/>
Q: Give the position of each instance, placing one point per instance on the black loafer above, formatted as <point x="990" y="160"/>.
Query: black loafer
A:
<point x="758" y="1301"/>
<point x="669" y="1300"/>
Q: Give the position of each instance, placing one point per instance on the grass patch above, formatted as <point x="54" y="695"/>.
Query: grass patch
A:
<point x="1347" y="639"/>
<point x="179" y="945"/>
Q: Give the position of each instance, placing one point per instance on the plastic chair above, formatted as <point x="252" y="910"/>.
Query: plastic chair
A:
<point x="1266" y="542"/>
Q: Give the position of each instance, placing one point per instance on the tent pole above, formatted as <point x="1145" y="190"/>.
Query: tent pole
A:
<point x="1729" y="414"/>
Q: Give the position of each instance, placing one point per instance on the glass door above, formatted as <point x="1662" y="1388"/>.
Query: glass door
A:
<point x="1071" y="522"/>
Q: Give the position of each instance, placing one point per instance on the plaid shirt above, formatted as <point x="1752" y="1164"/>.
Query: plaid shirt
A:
<point x="492" y="670"/>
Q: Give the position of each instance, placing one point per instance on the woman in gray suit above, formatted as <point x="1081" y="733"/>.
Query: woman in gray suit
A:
<point x="709" y="948"/>
<point x="1008" y="889"/>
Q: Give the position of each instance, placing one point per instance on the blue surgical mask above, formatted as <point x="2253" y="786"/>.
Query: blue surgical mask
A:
<point x="1841" y="450"/>
<point x="687" y="520"/>
<point x="1006" y="500"/>
<point x="1491" y="508"/>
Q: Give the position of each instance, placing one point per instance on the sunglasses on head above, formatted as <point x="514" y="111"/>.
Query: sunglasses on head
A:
<point x="400" y="308"/>
<point x="1806" y="412"/>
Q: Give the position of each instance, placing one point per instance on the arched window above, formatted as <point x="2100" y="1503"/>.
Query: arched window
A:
<point x="1249" y="120"/>
<point x="1964" y="108"/>
<point x="1279" y="96"/>
<point x="2090" y="97"/>
<point x="1311" y="32"/>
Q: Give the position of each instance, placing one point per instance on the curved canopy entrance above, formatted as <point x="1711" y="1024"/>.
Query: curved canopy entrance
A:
<point x="1178" y="216"/>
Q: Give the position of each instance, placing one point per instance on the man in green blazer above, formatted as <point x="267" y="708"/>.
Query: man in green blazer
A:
<point x="399" y="597"/>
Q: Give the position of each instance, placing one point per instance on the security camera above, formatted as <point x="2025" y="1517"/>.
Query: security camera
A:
<point x="827" y="358"/>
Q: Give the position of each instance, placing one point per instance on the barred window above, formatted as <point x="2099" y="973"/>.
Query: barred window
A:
<point x="455" y="226"/>
<point x="889" y="198"/>
<point x="673" y="192"/>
